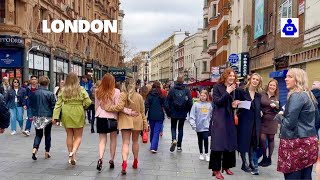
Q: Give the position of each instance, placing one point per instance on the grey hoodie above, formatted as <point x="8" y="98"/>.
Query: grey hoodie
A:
<point x="200" y="116"/>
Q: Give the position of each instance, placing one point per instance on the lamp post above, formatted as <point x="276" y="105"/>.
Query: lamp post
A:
<point x="196" y="71"/>
<point x="33" y="47"/>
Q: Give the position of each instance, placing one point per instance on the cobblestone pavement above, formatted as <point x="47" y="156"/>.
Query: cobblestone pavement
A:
<point x="16" y="162"/>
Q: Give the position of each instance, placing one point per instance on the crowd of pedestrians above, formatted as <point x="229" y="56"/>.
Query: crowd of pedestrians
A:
<point x="232" y="117"/>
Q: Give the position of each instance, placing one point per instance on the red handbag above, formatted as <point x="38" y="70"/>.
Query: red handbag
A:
<point x="145" y="137"/>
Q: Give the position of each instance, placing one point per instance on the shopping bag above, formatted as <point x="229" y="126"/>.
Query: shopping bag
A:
<point x="145" y="137"/>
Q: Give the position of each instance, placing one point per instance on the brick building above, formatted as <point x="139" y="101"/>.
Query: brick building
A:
<point x="55" y="54"/>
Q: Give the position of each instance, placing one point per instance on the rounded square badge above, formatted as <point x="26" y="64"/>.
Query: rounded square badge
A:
<point x="289" y="27"/>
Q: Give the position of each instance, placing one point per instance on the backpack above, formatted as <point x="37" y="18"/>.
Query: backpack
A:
<point x="180" y="99"/>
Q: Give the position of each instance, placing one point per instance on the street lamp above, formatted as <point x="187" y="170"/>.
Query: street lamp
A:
<point x="196" y="71"/>
<point x="33" y="47"/>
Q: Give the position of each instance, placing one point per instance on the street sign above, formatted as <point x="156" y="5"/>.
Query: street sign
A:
<point x="233" y="58"/>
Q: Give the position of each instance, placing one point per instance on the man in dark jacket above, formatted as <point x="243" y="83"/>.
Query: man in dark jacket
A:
<point x="178" y="105"/>
<point x="316" y="92"/>
<point x="30" y="91"/>
<point x="4" y="115"/>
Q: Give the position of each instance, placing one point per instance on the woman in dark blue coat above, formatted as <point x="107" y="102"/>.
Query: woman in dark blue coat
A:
<point x="222" y="126"/>
<point x="249" y="122"/>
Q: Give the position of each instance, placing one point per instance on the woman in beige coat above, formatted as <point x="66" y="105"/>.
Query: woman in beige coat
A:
<point x="127" y="124"/>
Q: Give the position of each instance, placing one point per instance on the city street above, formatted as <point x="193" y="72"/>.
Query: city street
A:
<point x="16" y="162"/>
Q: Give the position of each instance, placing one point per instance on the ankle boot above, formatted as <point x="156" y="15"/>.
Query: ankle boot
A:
<point x="124" y="168"/>
<point x="244" y="166"/>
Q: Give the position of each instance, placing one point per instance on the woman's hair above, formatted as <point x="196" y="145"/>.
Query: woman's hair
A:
<point x="105" y="90"/>
<point x="98" y="83"/>
<point x="276" y="93"/>
<point x="224" y="76"/>
<point x="144" y="90"/>
<point x="15" y="79"/>
<point x="156" y="86"/>
<point x="72" y="86"/>
<point x="131" y="89"/>
<point x="301" y="85"/>
<point x="259" y="87"/>
<point x="44" y="81"/>
<point x="206" y="93"/>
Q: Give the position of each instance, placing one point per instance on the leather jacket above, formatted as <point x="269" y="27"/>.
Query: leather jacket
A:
<point x="42" y="103"/>
<point x="11" y="95"/>
<point x="299" y="118"/>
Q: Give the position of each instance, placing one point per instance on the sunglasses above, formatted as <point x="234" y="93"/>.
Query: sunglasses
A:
<point x="15" y="82"/>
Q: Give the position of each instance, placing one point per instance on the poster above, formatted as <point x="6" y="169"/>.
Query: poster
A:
<point x="259" y="19"/>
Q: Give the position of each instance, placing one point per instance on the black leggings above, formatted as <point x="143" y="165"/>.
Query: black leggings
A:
<point x="203" y="136"/>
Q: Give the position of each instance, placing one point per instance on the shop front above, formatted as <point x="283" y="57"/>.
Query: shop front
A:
<point x="11" y="57"/>
<point x="76" y="66"/>
<point x="96" y="70"/>
<point x="39" y="61"/>
<point x="60" y="66"/>
<point x="104" y="70"/>
<point x="89" y="69"/>
<point x="263" y="65"/>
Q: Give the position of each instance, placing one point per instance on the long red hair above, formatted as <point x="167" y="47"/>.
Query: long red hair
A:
<point x="105" y="90"/>
<point x="224" y="76"/>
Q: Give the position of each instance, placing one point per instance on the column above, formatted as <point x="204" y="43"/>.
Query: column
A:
<point x="51" y="73"/>
<point x="25" y="63"/>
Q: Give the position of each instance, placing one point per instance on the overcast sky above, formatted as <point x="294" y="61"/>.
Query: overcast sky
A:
<point x="148" y="22"/>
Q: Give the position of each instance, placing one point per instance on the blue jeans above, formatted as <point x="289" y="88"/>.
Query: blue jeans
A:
<point x="39" y="135"/>
<point x="174" y="123"/>
<point x="29" y="120"/>
<point x="155" y="128"/>
<point x="91" y="113"/>
<point x="16" y="114"/>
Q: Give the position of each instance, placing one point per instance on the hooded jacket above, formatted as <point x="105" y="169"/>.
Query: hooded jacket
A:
<point x="200" y="116"/>
<point x="154" y="105"/>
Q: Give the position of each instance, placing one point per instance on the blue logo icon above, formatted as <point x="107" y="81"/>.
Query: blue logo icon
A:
<point x="233" y="58"/>
<point x="289" y="27"/>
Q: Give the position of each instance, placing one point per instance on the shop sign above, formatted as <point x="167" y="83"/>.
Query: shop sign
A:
<point x="215" y="74"/>
<point x="301" y="7"/>
<point x="244" y="64"/>
<point x="38" y="62"/>
<point x="15" y="41"/>
<point x="10" y="58"/>
<point x="18" y="73"/>
<point x="43" y="48"/>
<point x="61" y="54"/>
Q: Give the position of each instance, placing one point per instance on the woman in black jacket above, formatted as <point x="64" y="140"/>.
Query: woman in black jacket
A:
<point x="249" y="127"/>
<point x="222" y="126"/>
<point x="42" y="105"/>
<point x="154" y="105"/>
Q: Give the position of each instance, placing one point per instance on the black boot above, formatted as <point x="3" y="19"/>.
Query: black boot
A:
<point x="268" y="162"/>
<point x="244" y="166"/>
<point x="263" y="162"/>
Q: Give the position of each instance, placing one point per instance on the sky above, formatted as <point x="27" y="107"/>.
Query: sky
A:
<point x="148" y="22"/>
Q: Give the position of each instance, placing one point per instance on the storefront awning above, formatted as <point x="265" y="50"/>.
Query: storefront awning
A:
<point x="203" y="83"/>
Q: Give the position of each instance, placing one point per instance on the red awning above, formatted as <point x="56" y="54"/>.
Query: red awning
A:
<point x="203" y="83"/>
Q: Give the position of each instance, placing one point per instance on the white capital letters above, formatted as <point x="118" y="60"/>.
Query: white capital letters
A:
<point x="71" y="25"/>
<point x="45" y="26"/>
<point x="93" y="26"/>
<point x="54" y="26"/>
<point x="113" y="27"/>
<point x="84" y="26"/>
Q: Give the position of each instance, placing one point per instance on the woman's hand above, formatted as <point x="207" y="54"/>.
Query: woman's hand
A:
<point x="231" y="88"/>
<point x="235" y="103"/>
<point x="134" y="114"/>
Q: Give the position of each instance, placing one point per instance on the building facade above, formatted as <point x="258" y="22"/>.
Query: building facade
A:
<point x="28" y="51"/>
<point x="162" y="57"/>
<point x="143" y="67"/>
<point x="179" y="63"/>
<point x="120" y="38"/>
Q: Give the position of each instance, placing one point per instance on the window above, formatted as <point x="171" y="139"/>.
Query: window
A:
<point x="205" y="3"/>
<point x="2" y="11"/>
<point x="205" y="22"/>
<point x="214" y="36"/>
<point x="39" y="29"/>
<point x="204" y="66"/>
<point x="205" y="44"/>
<point x="214" y="10"/>
<point x="285" y="11"/>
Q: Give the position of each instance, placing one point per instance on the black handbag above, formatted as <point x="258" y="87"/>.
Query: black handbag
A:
<point x="106" y="125"/>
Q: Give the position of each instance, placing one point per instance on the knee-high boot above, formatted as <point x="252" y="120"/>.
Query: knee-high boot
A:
<point x="245" y="167"/>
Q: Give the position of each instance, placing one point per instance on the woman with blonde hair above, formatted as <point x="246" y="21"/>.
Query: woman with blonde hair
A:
<point x="298" y="149"/>
<point x="249" y="126"/>
<point x="71" y="105"/>
<point x="130" y="121"/>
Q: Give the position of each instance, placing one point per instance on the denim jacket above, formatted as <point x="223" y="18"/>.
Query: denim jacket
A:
<point x="299" y="118"/>
<point x="10" y="98"/>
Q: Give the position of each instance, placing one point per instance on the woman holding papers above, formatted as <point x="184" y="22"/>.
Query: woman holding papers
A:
<point x="269" y="127"/>
<point x="249" y="122"/>
<point x="222" y="126"/>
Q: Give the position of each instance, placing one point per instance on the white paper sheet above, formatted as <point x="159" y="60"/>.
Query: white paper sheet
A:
<point x="245" y="104"/>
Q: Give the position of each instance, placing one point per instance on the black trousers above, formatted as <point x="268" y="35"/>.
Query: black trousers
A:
<point x="301" y="174"/>
<point x="39" y="135"/>
<point x="203" y="139"/>
<point x="226" y="158"/>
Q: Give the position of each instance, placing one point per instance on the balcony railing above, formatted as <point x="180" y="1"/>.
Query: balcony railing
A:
<point x="305" y="56"/>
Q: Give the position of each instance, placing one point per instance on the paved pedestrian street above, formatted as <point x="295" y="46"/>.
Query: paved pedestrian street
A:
<point x="16" y="162"/>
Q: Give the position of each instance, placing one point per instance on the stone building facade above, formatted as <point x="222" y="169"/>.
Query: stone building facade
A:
<point x="33" y="52"/>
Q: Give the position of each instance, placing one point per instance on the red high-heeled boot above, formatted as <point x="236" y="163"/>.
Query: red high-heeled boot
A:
<point x="217" y="174"/>
<point x="228" y="171"/>
<point x="124" y="167"/>
<point x="135" y="164"/>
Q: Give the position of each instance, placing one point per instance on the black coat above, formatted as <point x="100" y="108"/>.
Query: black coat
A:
<point x="249" y="120"/>
<point x="222" y="127"/>
<point x="154" y="104"/>
<point x="4" y="115"/>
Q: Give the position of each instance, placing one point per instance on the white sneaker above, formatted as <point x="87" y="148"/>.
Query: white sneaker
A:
<point x="207" y="158"/>
<point x="13" y="132"/>
<point x="201" y="157"/>
<point x="153" y="151"/>
<point x="26" y="133"/>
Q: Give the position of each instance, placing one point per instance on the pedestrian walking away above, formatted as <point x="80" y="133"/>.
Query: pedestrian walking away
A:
<point x="249" y="128"/>
<point x="42" y="103"/>
<point x="72" y="103"/>
<point x="92" y="97"/>
<point x="30" y="91"/>
<point x="298" y="149"/>
<point x="200" y="116"/>
<point x="222" y="126"/>
<point x="178" y="105"/>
